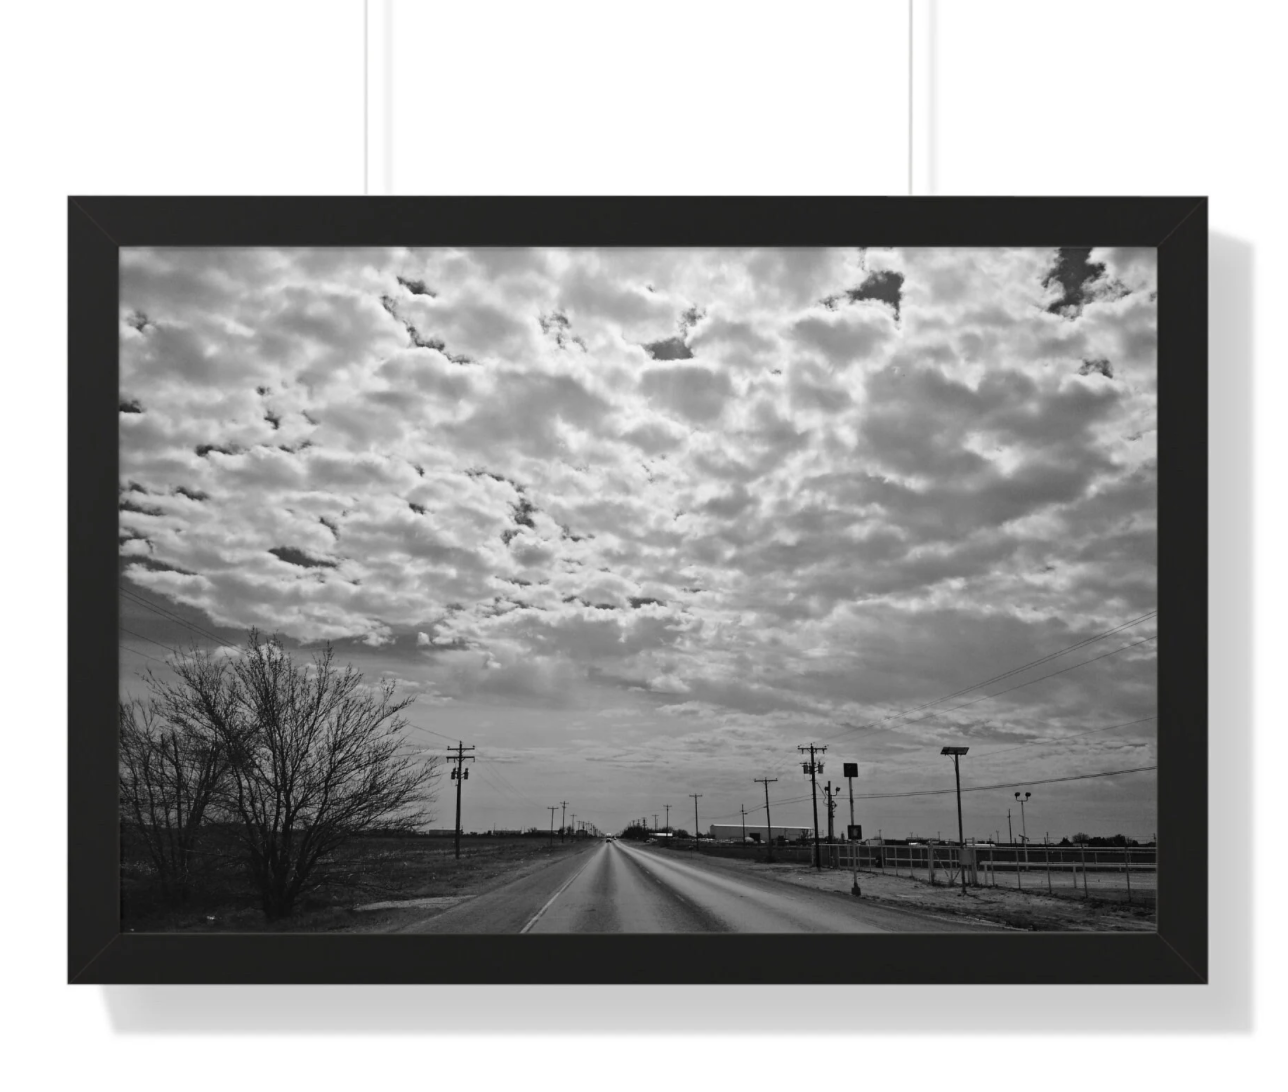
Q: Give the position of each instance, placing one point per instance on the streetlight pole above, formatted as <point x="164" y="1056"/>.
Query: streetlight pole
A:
<point x="1024" y="827"/>
<point x="957" y="752"/>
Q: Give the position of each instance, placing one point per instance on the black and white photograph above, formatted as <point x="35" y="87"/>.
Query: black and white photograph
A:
<point x="642" y="590"/>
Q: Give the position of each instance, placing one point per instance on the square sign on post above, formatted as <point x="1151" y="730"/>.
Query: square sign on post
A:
<point x="856" y="832"/>
<point x="851" y="769"/>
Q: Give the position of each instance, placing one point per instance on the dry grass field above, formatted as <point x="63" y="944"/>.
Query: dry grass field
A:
<point x="367" y="883"/>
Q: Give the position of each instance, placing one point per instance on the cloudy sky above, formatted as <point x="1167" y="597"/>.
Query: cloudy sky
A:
<point x="636" y="523"/>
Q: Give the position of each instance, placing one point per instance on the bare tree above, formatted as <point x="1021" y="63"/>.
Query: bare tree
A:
<point x="168" y="776"/>
<point x="314" y="755"/>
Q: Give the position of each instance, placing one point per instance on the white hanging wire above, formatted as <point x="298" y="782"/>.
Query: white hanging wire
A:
<point x="910" y="94"/>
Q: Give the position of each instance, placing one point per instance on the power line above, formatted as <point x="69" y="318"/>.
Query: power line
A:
<point x="430" y="731"/>
<point x="505" y="781"/>
<point x="165" y="613"/>
<point x="1052" y="674"/>
<point x="1003" y="785"/>
<point x="976" y="788"/>
<point x="1034" y="663"/>
<point x="761" y="807"/>
<point x="1062" y="739"/>
<point x="153" y="640"/>
<point x="1018" y="686"/>
<point x="1007" y="674"/>
<point x="140" y="652"/>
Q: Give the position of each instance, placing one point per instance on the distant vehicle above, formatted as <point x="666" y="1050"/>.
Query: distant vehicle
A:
<point x="609" y="838"/>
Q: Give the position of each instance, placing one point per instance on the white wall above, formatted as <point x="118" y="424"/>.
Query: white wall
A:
<point x="1141" y="97"/>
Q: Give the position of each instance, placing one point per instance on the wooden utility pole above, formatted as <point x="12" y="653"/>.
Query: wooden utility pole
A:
<point x="563" y="811"/>
<point x="769" y="823"/>
<point x="697" y="845"/>
<point x="744" y="823"/>
<point x="668" y="816"/>
<point x="813" y="768"/>
<point x="956" y="753"/>
<point x="458" y="775"/>
<point x="552" y="808"/>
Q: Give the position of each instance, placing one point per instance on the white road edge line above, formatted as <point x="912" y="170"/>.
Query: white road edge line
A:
<point x="537" y="916"/>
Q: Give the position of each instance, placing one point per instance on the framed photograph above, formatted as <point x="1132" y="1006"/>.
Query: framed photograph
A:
<point x="625" y="590"/>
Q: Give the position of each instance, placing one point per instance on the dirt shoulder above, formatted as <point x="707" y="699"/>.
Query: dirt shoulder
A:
<point x="1016" y="909"/>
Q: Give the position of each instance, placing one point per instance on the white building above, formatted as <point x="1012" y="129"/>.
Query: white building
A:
<point x="758" y="832"/>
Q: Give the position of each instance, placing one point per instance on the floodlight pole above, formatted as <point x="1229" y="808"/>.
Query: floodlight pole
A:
<point x="961" y="839"/>
<point x="1024" y="827"/>
<point x="851" y="771"/>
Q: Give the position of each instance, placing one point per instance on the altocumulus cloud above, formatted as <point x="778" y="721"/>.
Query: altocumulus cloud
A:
<point x="764" y="491"/>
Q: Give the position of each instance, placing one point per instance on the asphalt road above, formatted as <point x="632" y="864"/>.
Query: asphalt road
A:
<point x="615" y="888"/>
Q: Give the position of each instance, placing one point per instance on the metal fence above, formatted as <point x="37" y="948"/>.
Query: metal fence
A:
<point x="1127" y="874"/>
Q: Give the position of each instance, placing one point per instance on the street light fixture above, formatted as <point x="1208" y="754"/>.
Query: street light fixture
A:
<point x="1024" y="830"/>
<point x="956" y="753"/>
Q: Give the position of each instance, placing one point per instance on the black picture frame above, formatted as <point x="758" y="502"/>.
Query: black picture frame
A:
<point x="98" y="952"/>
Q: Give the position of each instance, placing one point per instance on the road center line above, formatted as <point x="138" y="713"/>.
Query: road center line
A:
<point x="537" y="916"/>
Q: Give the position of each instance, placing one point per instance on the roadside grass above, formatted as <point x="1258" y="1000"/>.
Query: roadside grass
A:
<point x="388" y="873"/>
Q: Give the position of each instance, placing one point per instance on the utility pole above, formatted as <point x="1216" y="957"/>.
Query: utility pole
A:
<point x="814" y="767"/>
<point x="668" y="816"/>
<point x="552" y="809"/>
<point x="744" y="823"/>
<point x="1010" y="834"/>
<point x="696" y="844"/>
<point x="769" y="823"/>
<point x="831" y="811"/>
<point x="574" y="824"/>
<point x="458" y="775"/>
<point x="563" y="809"/>
<point x="655" y="820"/>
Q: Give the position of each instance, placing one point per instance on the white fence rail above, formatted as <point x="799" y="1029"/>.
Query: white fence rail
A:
<point x="1108" y="872"/>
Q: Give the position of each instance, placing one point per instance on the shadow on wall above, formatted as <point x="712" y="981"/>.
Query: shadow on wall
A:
<point x="1224" y="1005"/>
